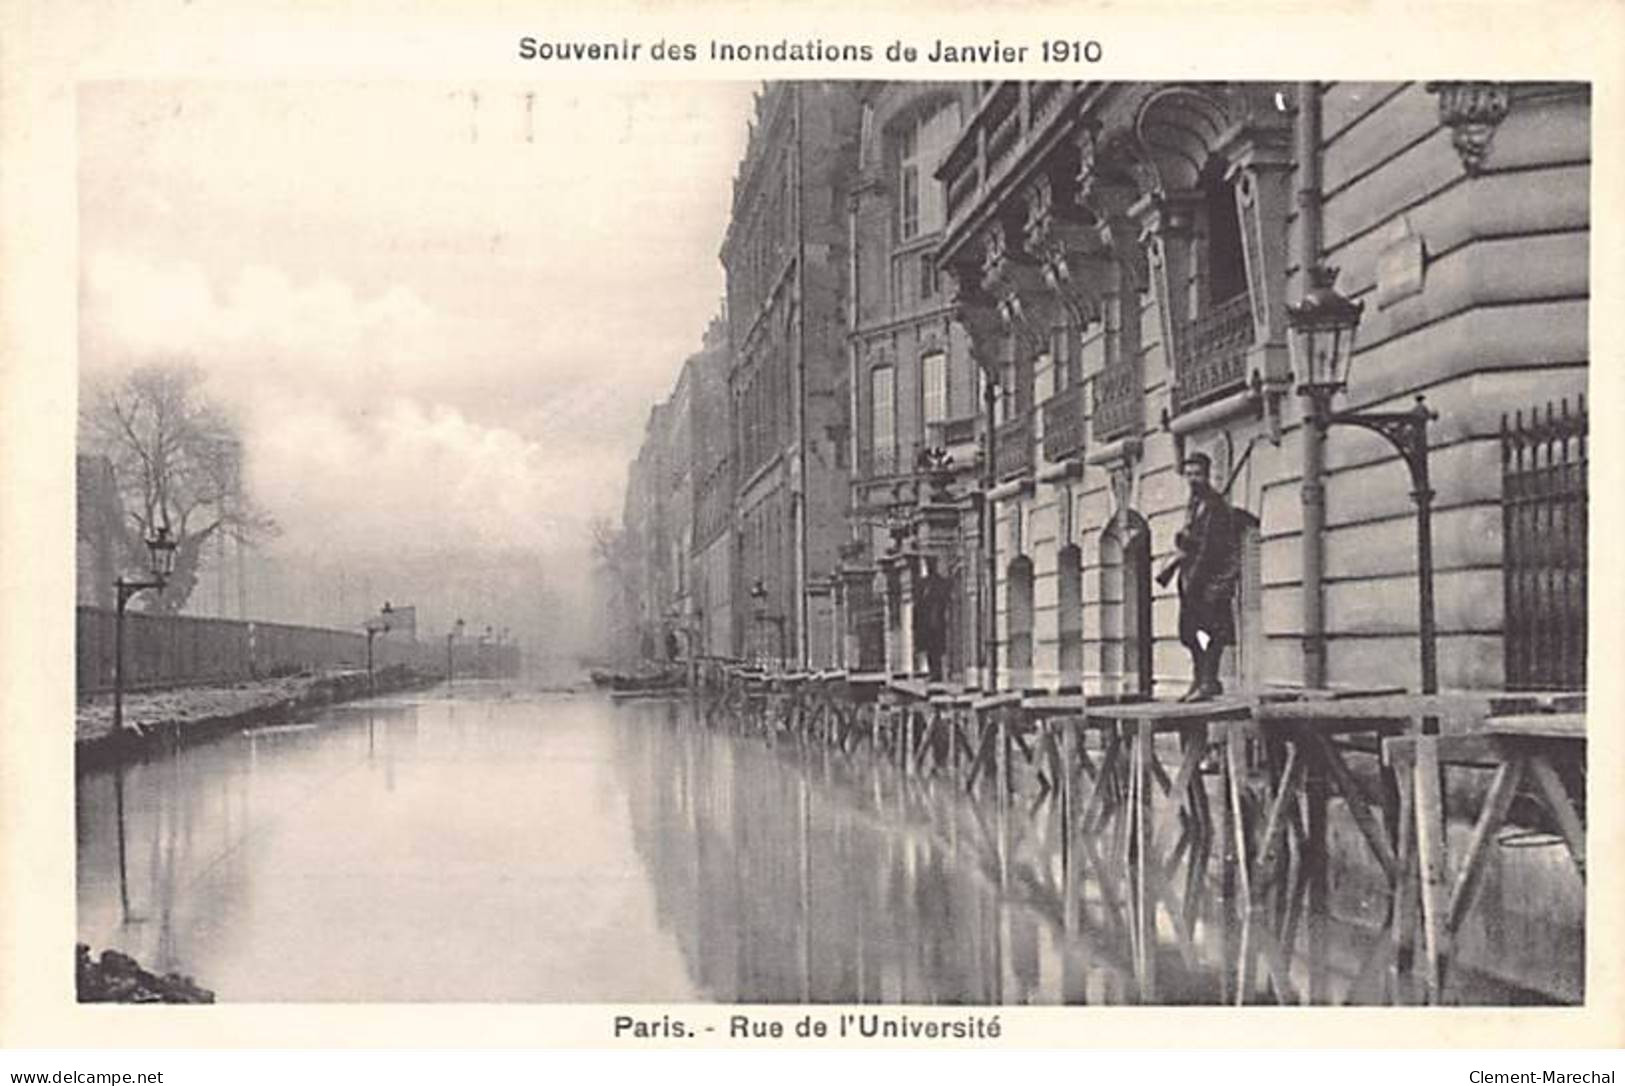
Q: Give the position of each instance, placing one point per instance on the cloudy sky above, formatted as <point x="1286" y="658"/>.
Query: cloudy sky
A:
<point x="441" y="312"/>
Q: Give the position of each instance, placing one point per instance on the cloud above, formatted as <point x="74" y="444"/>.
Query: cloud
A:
<point x="350" y="407"/>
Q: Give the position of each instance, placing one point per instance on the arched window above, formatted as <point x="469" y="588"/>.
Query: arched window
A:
<point x="1125" y="623"/>
<point x="1244" y="668"/>
<point x="1069" y="580"/>
<point x="1226" y="264"/>
<point x="1019" y="623"/>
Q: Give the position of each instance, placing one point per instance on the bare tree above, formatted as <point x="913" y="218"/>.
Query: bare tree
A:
<point x="178" y="461"/>
<point x="618" y="566"/>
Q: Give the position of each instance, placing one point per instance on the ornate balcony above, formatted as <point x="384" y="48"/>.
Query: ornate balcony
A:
<point x="950" y="432"/>
<point x="1063" y="424"/>
<point x="1119" y="400"/>
<point x="1008" y="123"/>
<point x="1013" y="449"/>
<point x="1212" y="353"/>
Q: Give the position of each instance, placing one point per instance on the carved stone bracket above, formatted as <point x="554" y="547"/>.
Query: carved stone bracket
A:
<point x="977" y="312"/>
<point x="1472" y="111"/>
<point x="1107" y="189"/>
<point x="1069" y="250"/>
<point x="1016" y="282"/>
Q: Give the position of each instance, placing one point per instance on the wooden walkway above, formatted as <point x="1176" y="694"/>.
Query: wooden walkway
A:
<point x="1167" y="829"/>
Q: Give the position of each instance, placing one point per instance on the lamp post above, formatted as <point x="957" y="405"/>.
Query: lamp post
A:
<point x="452" y="635"/>
<point x="161" y="563"/>
<point x="1322" y="344"/>
<point x="758" y="595"/>
<point x="375" y="626"/>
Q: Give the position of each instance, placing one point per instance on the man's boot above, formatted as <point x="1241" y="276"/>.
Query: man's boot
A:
<point x="1195" y="690"/>
<point x="1211" y="687"/>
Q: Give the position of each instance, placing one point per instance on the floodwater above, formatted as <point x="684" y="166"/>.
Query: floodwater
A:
<point x="504" y="845"/>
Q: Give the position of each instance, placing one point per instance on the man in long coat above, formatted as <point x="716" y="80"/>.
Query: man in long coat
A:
<point x="1209" y="566"/>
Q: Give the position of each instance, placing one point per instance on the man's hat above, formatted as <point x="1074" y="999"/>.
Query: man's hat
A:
<point x="1196" y="459"/>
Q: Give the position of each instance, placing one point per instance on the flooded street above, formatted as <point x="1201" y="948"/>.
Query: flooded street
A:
<point x="511" y="846"/>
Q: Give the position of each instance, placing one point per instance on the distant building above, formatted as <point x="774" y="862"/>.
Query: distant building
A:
<point x="973" y="329"/>
<point x="914" y="386"/>
<point x="99" y="530"/>
<point x="786" y="258"/>
<point x="713" y="484"/>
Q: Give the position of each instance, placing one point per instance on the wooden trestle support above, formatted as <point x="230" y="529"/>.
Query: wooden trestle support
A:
<point x="1072" y="807"/>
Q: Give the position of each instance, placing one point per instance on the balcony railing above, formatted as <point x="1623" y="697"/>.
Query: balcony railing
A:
<point x="1063" y="424"/>
<point x="1005" y="124"/>
<point x="1013" y="449"/>
<point x="881" y="461"/>
<point x="1119" y="402"/>
<point x="1212" y="353"/>
<point x="950" y="432"/>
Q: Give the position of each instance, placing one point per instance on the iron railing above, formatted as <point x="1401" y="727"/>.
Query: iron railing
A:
<point x="1119" y="400"/>
<point x="1543" y="508"/>
<point x="1212" y="353"/>
<point x="1013" y="449"/>
<point x="1064" y="424"/>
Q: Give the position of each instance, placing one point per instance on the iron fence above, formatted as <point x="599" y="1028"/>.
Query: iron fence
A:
<point x="1543" y="506"/>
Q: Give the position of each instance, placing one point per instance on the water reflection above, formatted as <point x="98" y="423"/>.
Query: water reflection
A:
<point x="798" y="875"/>
<point x="564" y="848"/>
<point x="403" y="851"/>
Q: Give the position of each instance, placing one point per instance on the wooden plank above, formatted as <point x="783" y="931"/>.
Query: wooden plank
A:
<point x="1358" y="807"/>
<point x="1403" y="910"/>
<point x="1274" y="822"/>
<point x="1562" y="808"/>
<point x="1316" y="859"/>
<point x="1496" y="804"/>
<point x="1567" y="726"/>
<point x="1430" y="852"/>
<point x="1176" y="714"/>
<point x="1392" y="707"/>
<point x="1145" y="897"/>
<point x="1235" y="769"/>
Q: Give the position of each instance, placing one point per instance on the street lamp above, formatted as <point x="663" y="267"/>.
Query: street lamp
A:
<point x="375" y="626"/>
<point x="1322" y="343"/>
<point x="452" y="635"/>
<point x="160" y="564"/>
<point x="758" y="594"/>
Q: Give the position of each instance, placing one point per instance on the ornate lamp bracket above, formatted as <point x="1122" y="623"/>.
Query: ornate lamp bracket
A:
<point x="1472" y="111"/>
<point x="1406" y="431"/>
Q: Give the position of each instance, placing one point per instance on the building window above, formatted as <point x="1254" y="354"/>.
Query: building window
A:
<point x="928" y="277"/>
<point x="1069" y="586"/>
<point x="934" y="386"/>
<point x="1019" y="624"/>
<point x="883" y="418"/>
<point x="921" y="144"/>
<point x="908" y="183"/>
<point x="1226" y="266"/>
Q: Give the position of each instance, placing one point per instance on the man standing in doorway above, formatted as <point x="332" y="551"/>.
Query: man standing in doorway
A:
<point x="1209" y="566"/>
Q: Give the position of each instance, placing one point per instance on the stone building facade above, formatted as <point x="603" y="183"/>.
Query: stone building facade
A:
<point x="973" y="329"/>
<point x="1124" y="256"/>
<point x="914" y="393"/>
<point x="785" y="258"/>
<point x="711" y="613"/>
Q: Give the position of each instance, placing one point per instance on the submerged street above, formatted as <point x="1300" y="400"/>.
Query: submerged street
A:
<point x="499" y="844"/>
